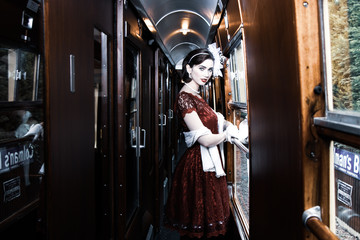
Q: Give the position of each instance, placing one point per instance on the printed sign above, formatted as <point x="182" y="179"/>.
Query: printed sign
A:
<point x="344" y="192"/>
<point x="11" y="189"/>
<point x="15" y="155"/>
<point x="347" y="162"/>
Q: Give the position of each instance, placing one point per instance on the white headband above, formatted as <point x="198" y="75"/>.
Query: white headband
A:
<point x="197" y="55"/>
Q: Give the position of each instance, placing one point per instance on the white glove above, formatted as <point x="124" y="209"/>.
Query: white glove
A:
<point x="36" y="130"/>
<point x="244" y="132"/>
<point x="231" y="132"/>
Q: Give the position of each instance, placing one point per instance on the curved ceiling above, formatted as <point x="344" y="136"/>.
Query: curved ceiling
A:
<point x="180" y="26"/>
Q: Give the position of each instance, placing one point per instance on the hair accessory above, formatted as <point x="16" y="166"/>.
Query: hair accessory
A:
<point x="219" y="61"/>
<point x="197" y="55"/>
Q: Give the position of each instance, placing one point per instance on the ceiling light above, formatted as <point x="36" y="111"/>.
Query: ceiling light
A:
<point x="184" y="31"/>
<point x="149" y="25"/>
<point x="216" y="19"/>
<point x="185" y="27"/>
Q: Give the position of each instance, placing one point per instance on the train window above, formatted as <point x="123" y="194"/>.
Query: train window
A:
<point x="21" y="130"/>
<point x="237" y="75"/>
<point x="102" y="78"/>
<point x="341" y="69"/>
<point x="100" y="83"/>
<point x="341" y="31"/>
<point x="241" y="152"/>
<point x="346" y="162"/>
<point x="132" y="128"/>
<point x="19" y="75"/>
<point x="241" y="165"/>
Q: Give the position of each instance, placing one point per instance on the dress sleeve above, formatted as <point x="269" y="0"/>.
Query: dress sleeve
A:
<point x="185" y="104"/>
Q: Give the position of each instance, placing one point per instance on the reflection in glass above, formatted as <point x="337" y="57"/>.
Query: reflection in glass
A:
<point x="21" y="130"/>
<point x="343" y="54"/>
<point x="132" y="119"/>
<point x="237" y="74"/>
<point x="20" y="75"/>
<point x="97" y="81"/>
<point x="162" y="116"/>
<point x="347" y="191"/>
<point x="242" y="181"/>
<point x="14" y="124"/>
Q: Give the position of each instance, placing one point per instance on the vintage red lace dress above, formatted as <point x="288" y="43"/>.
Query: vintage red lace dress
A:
<point x="198" y="203"/>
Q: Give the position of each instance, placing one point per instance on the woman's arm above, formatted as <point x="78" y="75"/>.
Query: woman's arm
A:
<point x="193" y="122"/>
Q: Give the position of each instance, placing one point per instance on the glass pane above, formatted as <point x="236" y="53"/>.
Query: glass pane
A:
<point x="237" y="75"/>
<point x="21" y="159"/>
<point x="242" y="181"/>
<point x="132" y="161"/>
<point x="20" y="78"/>
<point x="242" y="169"/>
<point x="343" y="54"/>
<point x="97" y="84"/>
<point x="347" y="191"/>
<point x="14" y="124"/>
<point x="162" y="118"/>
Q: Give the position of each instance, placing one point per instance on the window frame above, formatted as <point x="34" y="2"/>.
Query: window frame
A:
<point x="242" y="223"/>
<point x="342" y="126"/>
<point x="337" y="120"/>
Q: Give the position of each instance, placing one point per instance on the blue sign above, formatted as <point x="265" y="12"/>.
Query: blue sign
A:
<point x="347" y="162"/>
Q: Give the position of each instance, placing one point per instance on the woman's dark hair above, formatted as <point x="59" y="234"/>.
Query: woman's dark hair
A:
<point x="195" y="57"/>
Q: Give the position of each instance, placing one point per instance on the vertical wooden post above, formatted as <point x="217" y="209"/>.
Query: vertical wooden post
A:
<point x="229" y="117"/>
<point x="315" y="162"/>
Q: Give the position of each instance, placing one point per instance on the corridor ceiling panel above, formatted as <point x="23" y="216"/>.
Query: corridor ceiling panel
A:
<point x="180" y="26"/>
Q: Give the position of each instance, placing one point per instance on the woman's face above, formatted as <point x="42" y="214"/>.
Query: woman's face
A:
<point x="201" y="73"/>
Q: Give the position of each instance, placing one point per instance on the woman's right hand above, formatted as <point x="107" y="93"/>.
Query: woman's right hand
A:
<point x="231" y="132"/>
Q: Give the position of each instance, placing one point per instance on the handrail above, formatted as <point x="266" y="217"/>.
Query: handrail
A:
<point x="312" y="221"/>
<point x="240" y="145"/>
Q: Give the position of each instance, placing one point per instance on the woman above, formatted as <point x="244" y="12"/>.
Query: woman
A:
<point x="198" y="203"/>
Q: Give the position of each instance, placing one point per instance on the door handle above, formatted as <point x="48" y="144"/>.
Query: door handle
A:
<point x="162" y="119"/>
<point x="171" y="114"/>
<point x="143" y="145"/>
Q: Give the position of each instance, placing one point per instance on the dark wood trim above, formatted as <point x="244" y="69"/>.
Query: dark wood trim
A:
<point x="26" y="105"/>
<point x="229" y="116"/>
<point x="19" y="214"/>
<point x="120" y="163"/>
<point x="331" y="134"/>
<point x="157" y="135"/>
<point x="111" y="114"/>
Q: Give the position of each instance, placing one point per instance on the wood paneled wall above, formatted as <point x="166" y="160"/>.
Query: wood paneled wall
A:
<point x="276" y="197"/>
<point x="69" y="27"/>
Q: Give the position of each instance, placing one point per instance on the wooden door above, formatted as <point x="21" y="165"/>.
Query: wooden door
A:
<point x="71" y="172"/>
<point x="135" y="193"/>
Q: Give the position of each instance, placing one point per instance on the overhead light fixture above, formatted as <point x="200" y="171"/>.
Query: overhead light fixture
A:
<point x="149" y="25"/>
<point x="216" y="19"/>
<point x="185" y="27"/>
<point x="184" y="31"/>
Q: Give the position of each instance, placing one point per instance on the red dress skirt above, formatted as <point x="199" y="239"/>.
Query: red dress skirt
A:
<point x="198" y="203"/>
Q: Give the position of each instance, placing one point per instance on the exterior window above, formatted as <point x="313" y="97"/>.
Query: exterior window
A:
<point x="242" y="180"/>
<point x="237" y="75"/>
<point x="341" y="52"/>
<point x="341" y="34"/>
<point x="241" y="152"/>
<point x="132" y="126"/>
<point x="347" y="190"/>
<point x="343" y="61"/>
<point x="21" y="130"/>
<point x="20" y="77"/>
